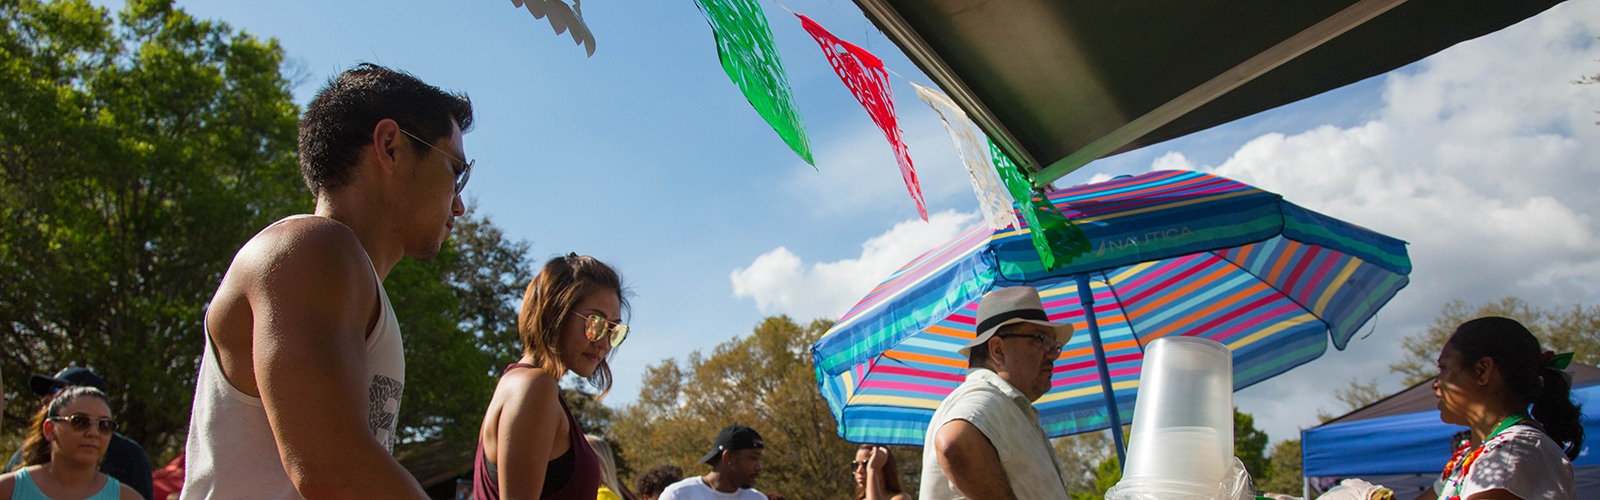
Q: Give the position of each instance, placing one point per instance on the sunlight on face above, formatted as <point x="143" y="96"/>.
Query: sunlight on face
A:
<point x="578" y="353"/>
<point x="83" y="446"/>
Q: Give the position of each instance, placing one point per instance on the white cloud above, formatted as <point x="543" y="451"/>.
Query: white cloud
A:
<point x="1484" y="160"/>
<point x="856" y="171"/>
<point x="781" y="283"/>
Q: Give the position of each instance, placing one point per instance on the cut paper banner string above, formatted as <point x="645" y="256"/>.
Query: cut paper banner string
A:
<point x="744" y="43"/>
<point x="562" y="19"/>
<point x="993" y="200"/>
<point x="864" y="74"/>
<point x="1057" y="239"/>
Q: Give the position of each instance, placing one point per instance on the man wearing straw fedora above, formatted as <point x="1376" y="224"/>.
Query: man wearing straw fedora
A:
<point x="985" y="440"/>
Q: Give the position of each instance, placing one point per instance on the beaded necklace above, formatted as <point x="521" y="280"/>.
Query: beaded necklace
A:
<point x="1461" y="461"/>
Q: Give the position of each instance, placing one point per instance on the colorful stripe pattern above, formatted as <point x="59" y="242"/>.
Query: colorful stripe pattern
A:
<point x="1175" y="253"/>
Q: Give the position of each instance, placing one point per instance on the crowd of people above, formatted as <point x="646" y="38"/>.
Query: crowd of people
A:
<point x="303" y="370"/>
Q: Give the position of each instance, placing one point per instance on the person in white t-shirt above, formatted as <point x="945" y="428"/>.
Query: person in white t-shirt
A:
<point x="735" y="461"/>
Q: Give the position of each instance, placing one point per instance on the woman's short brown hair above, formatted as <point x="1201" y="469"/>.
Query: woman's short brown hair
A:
<point x="551" y="297"/>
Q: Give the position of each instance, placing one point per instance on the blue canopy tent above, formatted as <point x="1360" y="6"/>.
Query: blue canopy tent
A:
<point x="1399" y="441"/>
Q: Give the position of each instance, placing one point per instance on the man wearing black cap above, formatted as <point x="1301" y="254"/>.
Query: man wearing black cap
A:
<point x="125" y="460"/>
<point x="985" y="440"/>
<point x="735" y="461"/>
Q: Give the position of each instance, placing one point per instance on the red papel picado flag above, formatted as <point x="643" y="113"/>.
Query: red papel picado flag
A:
<point x="863" y="73"/>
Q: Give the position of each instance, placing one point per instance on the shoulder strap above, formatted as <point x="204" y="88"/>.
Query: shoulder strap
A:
<point x="516" y="365"/>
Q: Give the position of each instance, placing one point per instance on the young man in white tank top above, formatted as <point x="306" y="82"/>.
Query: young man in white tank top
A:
<point x="303" y="368"/>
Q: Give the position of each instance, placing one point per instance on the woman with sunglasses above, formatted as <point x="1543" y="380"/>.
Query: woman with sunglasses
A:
<point x="530" y="446"/>
<point x="877" y="476"/>
<point x="1525" y="431"/>
<point x="65" y="443"/>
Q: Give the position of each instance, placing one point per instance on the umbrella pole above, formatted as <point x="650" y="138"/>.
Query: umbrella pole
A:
<point x="1086" y="297"/>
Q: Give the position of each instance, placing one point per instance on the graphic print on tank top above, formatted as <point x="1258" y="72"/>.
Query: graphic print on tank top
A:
<point x="384" y="409"/>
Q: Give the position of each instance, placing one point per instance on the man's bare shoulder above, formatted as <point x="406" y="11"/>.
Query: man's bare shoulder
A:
<point x="301" y="247"/>
<point x="300" y="258"/>
<point x="299" y="238"/>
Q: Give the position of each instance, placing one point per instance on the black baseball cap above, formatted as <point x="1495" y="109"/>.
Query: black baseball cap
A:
<point x="77" y="375"/>
<point x="733" y="437"/>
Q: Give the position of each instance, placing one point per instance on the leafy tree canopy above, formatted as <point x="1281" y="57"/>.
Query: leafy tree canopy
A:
<point x="138" y="152"/>
<point x="1285" y="466"/>
<point x="1574" y="329"/>
<point x="765" y="381"/>
<point x="1250" y="445"/>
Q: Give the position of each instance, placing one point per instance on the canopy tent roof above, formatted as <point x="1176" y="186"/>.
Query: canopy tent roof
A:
<point x="1059" y="84"/>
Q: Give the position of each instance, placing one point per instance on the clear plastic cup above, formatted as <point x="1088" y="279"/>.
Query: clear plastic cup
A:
<point x="1182" y="439"/>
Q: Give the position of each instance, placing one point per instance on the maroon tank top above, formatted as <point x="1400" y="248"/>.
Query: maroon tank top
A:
<point x="575" y="475"/>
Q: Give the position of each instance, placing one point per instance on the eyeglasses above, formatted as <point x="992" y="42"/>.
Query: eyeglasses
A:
<point x="596" y="326"/>
<point x="463" y="175"/>
<point x="1050" y="343"/>
<point x="857" y="465"/>
<point x="81" y="422"/>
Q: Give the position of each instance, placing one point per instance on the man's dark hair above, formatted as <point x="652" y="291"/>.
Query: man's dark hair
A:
<point x="340" y="119"/>
<point x="978" y="355"/>
<point x="657" y="480"/>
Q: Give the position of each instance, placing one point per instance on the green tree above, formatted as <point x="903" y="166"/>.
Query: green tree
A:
<point x="1106" y="475"/>
<point x="136" y="154"/>
<point x="1286" y="472"/>
<point x="766" y="381"/>
<point x="1081" y="455"/>
<point x="1574" y="329"/>
<point x="459" y="324"/>
<point x="1250" y="445"/>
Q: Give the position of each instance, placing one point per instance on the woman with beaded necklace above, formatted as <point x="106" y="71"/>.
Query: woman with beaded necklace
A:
<point x="1491" y="372"/>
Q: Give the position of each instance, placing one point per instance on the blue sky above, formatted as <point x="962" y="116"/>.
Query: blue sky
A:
<point x="646" y="155"/>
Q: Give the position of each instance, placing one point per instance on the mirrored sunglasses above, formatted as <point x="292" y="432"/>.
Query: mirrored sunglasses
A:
<point x="596" y="326"/>
<point x="81" y="422"/>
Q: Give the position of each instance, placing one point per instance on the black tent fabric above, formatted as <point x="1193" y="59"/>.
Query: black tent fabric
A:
<point x="1058" y="84"/>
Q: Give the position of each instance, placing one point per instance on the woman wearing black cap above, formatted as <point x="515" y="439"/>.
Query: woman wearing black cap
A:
<point x="1490" y="372"/>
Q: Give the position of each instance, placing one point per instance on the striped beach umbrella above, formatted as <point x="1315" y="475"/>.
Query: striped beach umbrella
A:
<point x="1174" y="253"/>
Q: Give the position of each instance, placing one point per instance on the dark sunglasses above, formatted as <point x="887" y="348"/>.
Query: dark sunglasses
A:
<point x="81" y="422"/>
<point x="466" y="170"/>
<point x="596" y="326"/>
<point x="856" y="465"/>
<point x="1050" y="343"/>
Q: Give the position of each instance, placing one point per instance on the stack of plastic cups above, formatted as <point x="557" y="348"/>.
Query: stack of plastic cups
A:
<point x="1182" y="441"/>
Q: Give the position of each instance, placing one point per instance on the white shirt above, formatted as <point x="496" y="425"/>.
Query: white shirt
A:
<point x="695" y="488"/>
<point x="1011" y="423"/>
<point x="231" y="452"/>
<point x="1526" y="463"/>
